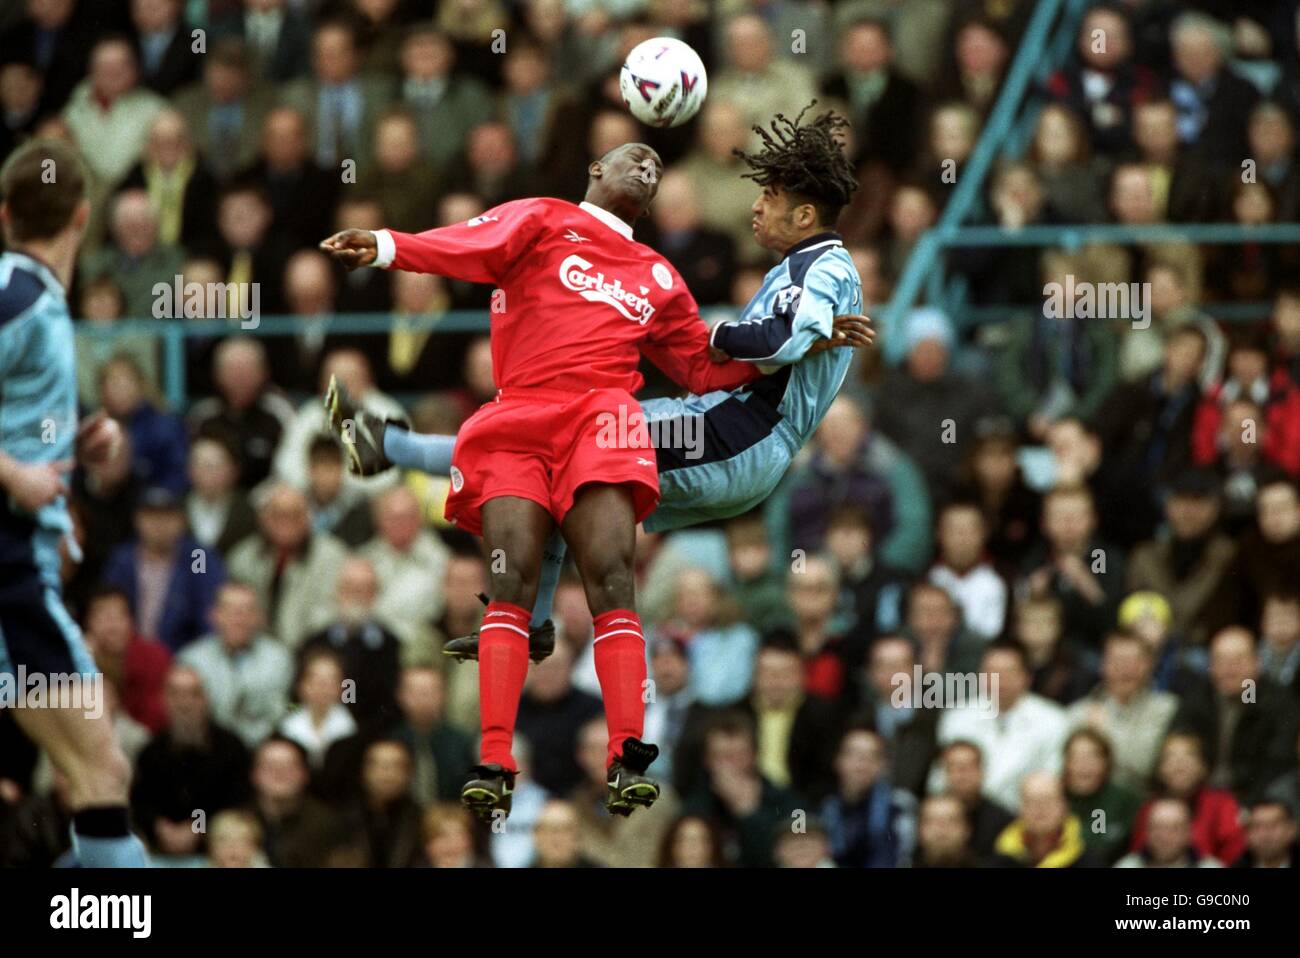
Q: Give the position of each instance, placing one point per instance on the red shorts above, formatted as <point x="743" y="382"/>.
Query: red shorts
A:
<point x="543" y="445"/>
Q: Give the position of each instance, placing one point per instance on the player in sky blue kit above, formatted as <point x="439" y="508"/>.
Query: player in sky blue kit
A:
<point x="747" y="437"/>
<point x="43" y="211"/>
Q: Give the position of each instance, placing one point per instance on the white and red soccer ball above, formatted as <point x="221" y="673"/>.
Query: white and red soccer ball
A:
<point x="663" y="82"/>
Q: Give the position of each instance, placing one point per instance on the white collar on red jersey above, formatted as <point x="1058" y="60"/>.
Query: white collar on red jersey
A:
<point x="608" y="218"/>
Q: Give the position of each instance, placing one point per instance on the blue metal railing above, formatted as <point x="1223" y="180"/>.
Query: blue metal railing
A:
<point x="173" y="333"/>
<point x="1048" y="42"/>
<point x="1073" y="236"/>
<point x="1070" y="238"/>
<point x="920" y="269"/>
<point x="1059" y="49"/>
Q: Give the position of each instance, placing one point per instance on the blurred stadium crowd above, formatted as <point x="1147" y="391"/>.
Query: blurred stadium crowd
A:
<point x="1104" y="517"/>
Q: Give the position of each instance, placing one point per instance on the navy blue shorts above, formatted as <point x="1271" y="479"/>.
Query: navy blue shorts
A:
<point x="36" y="631"/>
<point x="718" y="457"/>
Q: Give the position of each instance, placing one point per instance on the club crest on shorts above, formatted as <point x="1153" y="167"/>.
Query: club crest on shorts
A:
<point x="457" y="479"/>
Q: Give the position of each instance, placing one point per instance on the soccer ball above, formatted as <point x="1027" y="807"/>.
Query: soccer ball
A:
<point x="663" y="82"/>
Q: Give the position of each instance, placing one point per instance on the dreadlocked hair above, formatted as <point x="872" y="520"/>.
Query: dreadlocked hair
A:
<point x="805" y="159"/>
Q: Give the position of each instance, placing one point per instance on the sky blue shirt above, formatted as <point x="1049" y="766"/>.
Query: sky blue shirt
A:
<point x="800" y="296"/>
<point x="38" y="375"/>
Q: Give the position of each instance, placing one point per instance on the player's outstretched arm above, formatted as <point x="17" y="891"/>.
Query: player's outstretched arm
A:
<point x="480" y="250"/>
<point x="847" y="332"/>
<point x="821" y="321"/>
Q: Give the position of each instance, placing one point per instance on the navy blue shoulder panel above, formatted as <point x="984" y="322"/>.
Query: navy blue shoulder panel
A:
<point x="800" y="259"/>
<point x="23" y="290"/>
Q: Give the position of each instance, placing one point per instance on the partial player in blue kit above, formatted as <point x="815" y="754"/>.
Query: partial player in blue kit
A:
<point x="751" y="435"/>
<point x="721" y="453"/>
<point x="43" y="211"/>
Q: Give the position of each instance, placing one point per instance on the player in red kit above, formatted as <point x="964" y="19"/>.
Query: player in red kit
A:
<point x="578" y="300"/>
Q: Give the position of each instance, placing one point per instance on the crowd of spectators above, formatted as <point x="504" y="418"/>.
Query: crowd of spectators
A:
<point x="1100" y="521"/>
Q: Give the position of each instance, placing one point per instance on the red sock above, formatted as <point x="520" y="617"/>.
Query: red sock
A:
<point x="620" y="666"/>
<point x="502" y="668"/>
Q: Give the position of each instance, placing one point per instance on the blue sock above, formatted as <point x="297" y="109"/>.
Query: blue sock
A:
<point x="552" y="565"/>
<point x="101" y="838"/>
<point x="414" y="450"/>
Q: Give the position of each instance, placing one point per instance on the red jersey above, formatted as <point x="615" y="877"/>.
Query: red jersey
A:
<point x="578" y="298"/>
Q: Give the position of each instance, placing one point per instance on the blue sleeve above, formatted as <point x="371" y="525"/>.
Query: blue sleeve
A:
<point x="781" y="340"/>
